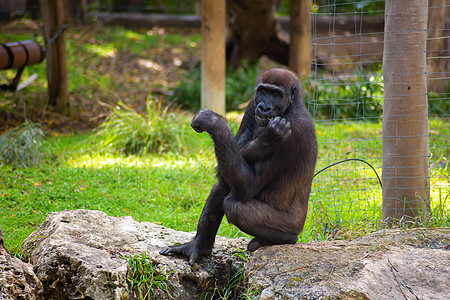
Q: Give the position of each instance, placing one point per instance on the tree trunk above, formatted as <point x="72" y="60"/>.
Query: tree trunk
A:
<point x="253" y="31"/>
<point x="406" y="193"/>
<point x="53" y="15"/>
<point x="437" y="48"/>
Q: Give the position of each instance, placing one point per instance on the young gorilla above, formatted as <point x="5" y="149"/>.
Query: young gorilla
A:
<point x="264" y="172"/>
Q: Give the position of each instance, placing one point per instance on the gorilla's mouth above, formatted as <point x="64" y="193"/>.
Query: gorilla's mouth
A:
<point x="263" y="120"/>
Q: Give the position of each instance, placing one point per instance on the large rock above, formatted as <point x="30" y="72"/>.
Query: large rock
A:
<point x="390" y="264"/>
<point x="17" y="280"/>
<point x="79" y="255"/>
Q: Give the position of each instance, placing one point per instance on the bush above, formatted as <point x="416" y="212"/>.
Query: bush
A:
<point x="356" y="97"/>
<point x="129" y="132"/>
<point x="239" y="85"/>
<point x="439" y="104"/>
<point x="188" y="92"/>
<point x="22" y="145"/>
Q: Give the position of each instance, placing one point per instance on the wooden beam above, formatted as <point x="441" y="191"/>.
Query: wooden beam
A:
<point x="213" y="55"/>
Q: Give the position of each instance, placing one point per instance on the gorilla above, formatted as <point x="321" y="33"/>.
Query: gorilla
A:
<point x="264" y="173"/>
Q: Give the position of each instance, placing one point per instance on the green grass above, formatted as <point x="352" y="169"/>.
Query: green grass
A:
<point x="146" y="280"/>
<point x="170" y="188"/>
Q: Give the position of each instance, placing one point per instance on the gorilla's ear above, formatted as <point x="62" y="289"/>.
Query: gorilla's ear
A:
<point x="293" y="93"/>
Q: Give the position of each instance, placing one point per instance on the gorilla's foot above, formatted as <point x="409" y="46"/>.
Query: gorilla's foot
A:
<point x="254" y="244"/>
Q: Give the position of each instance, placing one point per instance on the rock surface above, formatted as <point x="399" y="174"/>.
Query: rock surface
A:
<point x="406" y="264"/>
<point x="17" y="279"/>
<point x="79" y="255"/>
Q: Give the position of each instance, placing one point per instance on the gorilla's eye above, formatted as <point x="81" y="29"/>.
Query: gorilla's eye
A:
<point x="277" y="94"/>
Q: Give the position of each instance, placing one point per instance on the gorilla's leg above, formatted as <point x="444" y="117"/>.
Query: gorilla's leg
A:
<point x="269" y="226"/>
<point x="212" y="214"/>
<point x="208" y="224"/>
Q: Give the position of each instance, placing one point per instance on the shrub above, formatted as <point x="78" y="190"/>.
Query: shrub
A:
<point x="22" y="145"/>
<point x="188" y="92"/>
<point x="239" y="85"/>
<point x="126" y="131"/>
<point x="439" y="103"/>
<point x="355" y="97"/>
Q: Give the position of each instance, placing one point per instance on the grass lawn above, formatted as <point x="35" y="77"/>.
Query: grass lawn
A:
<point x="170" y="188"/>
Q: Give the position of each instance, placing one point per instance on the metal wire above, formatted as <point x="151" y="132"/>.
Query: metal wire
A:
<point x="55" y="36"/>
<point x="344" y="91"/>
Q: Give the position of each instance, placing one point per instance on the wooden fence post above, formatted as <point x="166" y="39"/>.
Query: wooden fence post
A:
<point x="53" y="16"/>
<point x="299" y="37"/>
<point x="213" y="55"/>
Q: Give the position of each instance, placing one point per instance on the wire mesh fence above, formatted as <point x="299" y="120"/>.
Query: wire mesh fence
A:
<point x="347" y="98"/>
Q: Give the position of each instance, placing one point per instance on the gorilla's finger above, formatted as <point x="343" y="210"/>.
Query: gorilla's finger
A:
<point x="197" y="128"/>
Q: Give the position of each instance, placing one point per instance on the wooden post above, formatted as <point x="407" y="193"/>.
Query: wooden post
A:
<point x="213" y="55"/>
<point x="299" y="37"/>
<point x="53" y="16"/>
<point x="406" y="183"/>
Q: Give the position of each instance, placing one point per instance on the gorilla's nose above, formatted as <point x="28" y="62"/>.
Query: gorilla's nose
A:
<point x="264" y="109"/>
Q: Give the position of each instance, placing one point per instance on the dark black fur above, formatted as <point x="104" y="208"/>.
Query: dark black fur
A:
<point x="265" y="172"/>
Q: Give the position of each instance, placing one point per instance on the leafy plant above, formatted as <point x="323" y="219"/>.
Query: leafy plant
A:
<point x="22" y="145"/>
<point x="439" y="104"/>
<point x="239" y="85"/>
<point x="129" y="132"/>
<point x="146" y="280"/>
<point x="188" y="92"/>
<point x="355" y="97"/>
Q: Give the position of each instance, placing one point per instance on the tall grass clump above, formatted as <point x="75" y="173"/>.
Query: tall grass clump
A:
<point x="146" y="280"/>
<point x="22" y="145"/>
<point x="129" y="132"/>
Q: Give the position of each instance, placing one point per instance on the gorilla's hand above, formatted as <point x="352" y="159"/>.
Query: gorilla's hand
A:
<point x="207" y="120"/>
<point x="191" y="250"/>
<point x="280" y="127"/>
